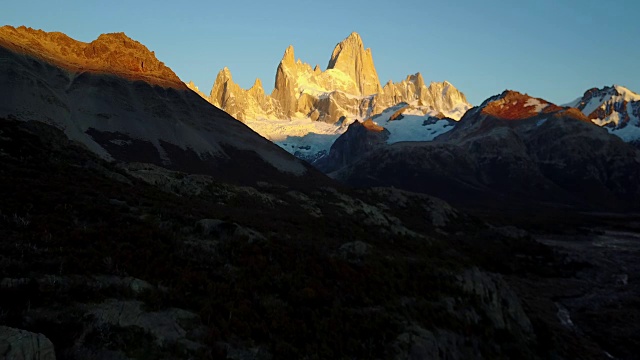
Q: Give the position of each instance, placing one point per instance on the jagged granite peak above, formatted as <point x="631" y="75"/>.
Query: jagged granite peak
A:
<point x="221" y="88"/>
<point x="350" y="57"/>
<point x="191" y="85"/>
<point x="303" y="95"/>
<point x="257" y="83"/>
<point x="289" y="58"/>
<point x="302" y="91"/>
<point x="240" y="103"/>
<point x="256" y="89"/>
<point x="283" y="89"/>
<point x="438" y="96"/>
<point x="113" y="53"/>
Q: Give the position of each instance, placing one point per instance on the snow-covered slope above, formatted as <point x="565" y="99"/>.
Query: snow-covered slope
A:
<point x="312" y="140"/>
<point x="307" y="140"/>
<point x="616" y="108"/>
<point x="410" y="123"/>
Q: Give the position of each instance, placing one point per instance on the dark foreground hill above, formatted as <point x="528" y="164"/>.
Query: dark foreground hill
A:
<point x="135" y="261"/>
<point x="140" y="262"/>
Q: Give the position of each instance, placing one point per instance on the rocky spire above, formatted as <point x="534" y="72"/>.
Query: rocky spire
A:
<point x="284" y="87"/>
<point x="350" y="57"/>
<point x="257" y="89"/>
<point x="221" y="87"/>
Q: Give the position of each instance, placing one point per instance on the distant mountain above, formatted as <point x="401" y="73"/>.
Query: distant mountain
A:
<point x="306" y="99"/>
<point x="513" y="150"/>
<point x="616" y="108"/>
<point x="116" y="98"/>
<point x="349" y="87"/>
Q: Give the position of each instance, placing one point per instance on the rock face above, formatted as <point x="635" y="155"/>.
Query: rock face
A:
<point x="239" y="102"/>
<point x="16" y="344"/>
<point x="350" y="57"/>
<point x="116" y="98"/>
<point x="615" y="108"/>
<point x="513" y="145"/>
<point x="349" y="87"/>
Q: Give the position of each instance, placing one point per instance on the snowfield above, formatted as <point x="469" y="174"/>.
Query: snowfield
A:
<point x="310" y="140"/>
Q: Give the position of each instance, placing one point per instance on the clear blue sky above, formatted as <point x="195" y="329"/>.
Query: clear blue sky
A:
<point x="554" y="49"/>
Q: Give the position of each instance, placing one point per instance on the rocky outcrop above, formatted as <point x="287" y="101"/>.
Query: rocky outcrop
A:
<point x="17" y="344"/>
<point x="501" y="305"/>
<point x="441" y="96"/>
<point x="349" y="87"/>
<point x="224" y="230"/>
<point x="495" y="304"/>
<point x="113" y="53"/>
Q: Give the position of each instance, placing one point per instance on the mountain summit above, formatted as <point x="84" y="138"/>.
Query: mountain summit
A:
<point x="348" y="88"/>
<point x="350" y="57"/>
<point x="113" y="53"/>
<point x="615" y="108"/>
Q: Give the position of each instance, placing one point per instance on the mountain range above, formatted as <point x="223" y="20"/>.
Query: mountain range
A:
<point x="310" y="108"/>
<point x="513" y="150"/>
<point x="348" y="88"/>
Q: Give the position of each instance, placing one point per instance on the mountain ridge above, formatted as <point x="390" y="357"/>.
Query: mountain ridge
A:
<point x="113" y="53"/>
<point x="111" y="96"/>
<point x="512" y="151"/>
<point x="349" y="87"/>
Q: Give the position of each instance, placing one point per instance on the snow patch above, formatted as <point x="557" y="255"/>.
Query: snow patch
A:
<point x="416" y="128"/>
<point x="537" y="105"/>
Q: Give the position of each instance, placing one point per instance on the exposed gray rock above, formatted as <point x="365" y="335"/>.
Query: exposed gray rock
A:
<point x="225" y="230"/>
<point x="17" y="344"/>
<point x="499" y="302"/>
<point x="512" y="232"/>
<point x="417" y="343"/>
<point x="256" y="353"/>
<point x="169" y="326"/>
<point x="354" y="251"/>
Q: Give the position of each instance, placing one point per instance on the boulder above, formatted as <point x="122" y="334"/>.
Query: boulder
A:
<point x="17" y="344"/>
